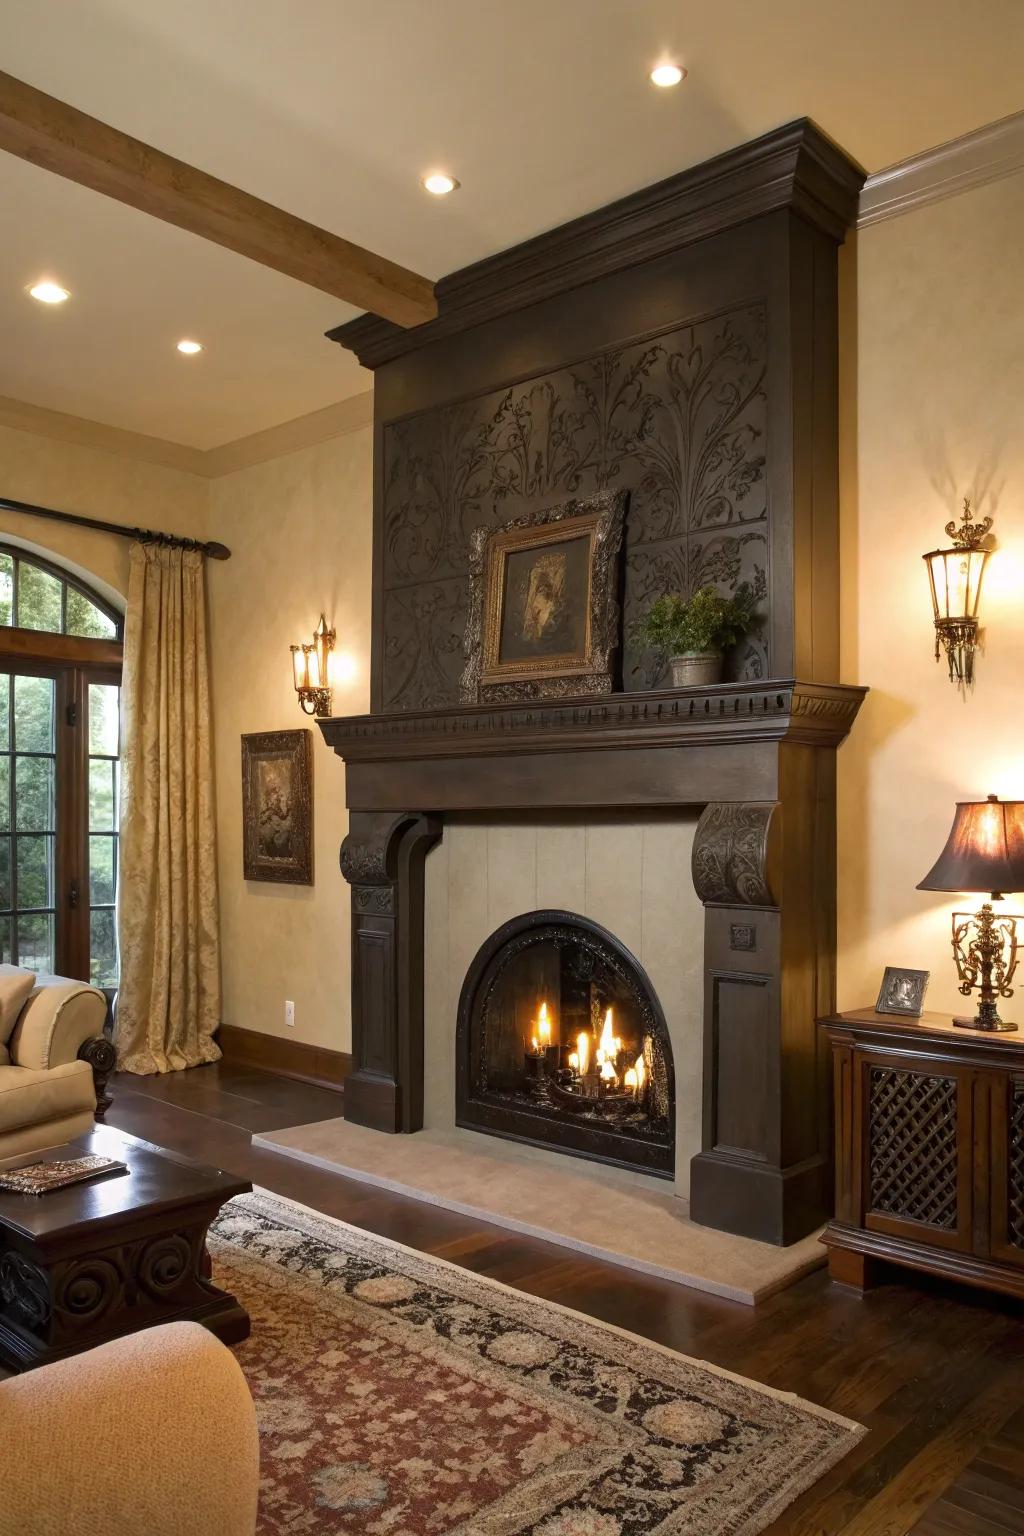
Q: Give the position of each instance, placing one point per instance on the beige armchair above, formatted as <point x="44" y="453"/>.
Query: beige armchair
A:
<point x="54" y="1060"/>
<point x="151" y="1435"/>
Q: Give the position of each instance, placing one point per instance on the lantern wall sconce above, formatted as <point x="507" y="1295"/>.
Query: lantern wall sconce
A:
<point x="309" y="671"/>
<point x="954" y="575"/>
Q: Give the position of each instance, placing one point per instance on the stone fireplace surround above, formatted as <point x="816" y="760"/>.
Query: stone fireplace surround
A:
<point x="627" y="873"/>
<point x="680" y="345"/>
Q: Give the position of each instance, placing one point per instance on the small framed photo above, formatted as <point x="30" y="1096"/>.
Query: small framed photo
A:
<point x="902" y="991"/>
<point x="277" y="807"/>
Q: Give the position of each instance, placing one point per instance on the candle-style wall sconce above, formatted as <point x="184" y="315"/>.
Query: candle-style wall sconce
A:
<point x="309" y="671"/>
<point x="954" y="575"/>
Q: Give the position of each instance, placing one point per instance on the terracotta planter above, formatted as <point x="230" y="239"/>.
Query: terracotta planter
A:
<point x="693" y="668"/>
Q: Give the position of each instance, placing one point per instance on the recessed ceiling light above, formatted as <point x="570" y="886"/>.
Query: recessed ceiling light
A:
<point x="667" y="74"/>
<point x="440" y="183"/>
<point x="190" y="348"/>
<point x="49" y="293"/>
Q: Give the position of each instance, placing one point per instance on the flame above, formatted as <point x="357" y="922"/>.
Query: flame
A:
<point x="583" y="1050"/>
<point x="607" y="1071"/>
<point x="574" y="1060"/>
<point x="608" y="1045"/>
<point x="534" y="1047"/>
<point x="544" y="1025"/>
<point x="630" y="1078"/>
<point x="641" y="1074"/>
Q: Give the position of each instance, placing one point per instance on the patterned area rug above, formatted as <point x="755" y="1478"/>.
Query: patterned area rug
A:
<point x="399" y="1395"/>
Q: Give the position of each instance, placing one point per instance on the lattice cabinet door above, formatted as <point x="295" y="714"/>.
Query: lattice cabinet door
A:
<point x="916" y="1125"/>
<point x="1008" y="1169"/>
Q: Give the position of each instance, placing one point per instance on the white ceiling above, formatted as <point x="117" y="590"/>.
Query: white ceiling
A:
<point x="333" y="109"/>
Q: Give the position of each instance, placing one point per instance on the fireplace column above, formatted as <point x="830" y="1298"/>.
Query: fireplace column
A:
<point x="382" y="859"/>
<point x="766" y="875"/>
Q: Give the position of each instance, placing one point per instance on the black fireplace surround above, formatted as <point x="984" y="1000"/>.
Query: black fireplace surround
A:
<point x="561" y="1041"/>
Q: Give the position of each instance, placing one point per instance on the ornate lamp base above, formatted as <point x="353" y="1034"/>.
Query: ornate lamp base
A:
<point x="992" y="1026"/>
<point x="985" y="950"/>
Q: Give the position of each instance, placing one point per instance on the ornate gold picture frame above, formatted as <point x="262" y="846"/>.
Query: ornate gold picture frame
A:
<point x="544" y="616"/>
<point x="277" y="807"/>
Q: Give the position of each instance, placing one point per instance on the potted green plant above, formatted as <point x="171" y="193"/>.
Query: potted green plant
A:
<point x="693" y="632"/>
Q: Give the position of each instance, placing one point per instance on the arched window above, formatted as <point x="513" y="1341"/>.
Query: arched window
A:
<point x="60" y="676"/>
<point x="37" y="595"/>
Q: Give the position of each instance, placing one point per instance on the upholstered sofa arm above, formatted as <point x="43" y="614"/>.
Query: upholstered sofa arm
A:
<point x="58" y="1018"/>
<point x="151" y="1435"/>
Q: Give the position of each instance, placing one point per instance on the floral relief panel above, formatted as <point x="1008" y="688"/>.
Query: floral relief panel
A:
<point x="679" y="421"/>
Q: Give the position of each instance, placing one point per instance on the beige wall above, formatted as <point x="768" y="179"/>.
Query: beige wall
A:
<point x="299" y="531"/>
<point x="74" y="478"/>
<point x="933" y="375"/>
<point x="631" y="875"/>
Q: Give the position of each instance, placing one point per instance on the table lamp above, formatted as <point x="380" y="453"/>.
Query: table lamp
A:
<point x="984" y="852"/>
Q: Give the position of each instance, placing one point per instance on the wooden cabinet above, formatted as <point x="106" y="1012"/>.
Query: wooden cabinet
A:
<point x="929" y="1150"/>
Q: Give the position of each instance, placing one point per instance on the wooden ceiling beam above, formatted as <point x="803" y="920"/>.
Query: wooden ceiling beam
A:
<point x="60" y="138"/>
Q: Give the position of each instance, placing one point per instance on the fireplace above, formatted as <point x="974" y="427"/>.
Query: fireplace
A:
<point x="680" y="345"/>
<point x="561" y="1041"/>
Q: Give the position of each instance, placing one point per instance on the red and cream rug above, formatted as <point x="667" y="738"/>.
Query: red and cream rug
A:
<point x="399" y="1395"/>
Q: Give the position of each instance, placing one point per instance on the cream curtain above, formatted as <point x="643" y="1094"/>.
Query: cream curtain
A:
<point x="169" y="999"/>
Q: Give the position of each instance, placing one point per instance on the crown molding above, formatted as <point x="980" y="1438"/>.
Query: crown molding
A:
<point x="210" y="463"/>
<point x="21" y="416"/>
<point x="987" y="154"/>
<point x="345" y="416"/>
<point x="796" y="167"/>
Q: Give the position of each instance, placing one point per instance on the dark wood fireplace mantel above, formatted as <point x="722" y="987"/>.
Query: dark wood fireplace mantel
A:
<point x="758" y="762"/>
<point x="653" y="749"/>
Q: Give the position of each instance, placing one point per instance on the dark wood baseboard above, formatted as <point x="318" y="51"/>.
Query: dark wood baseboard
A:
<point x="287" y="1058"/>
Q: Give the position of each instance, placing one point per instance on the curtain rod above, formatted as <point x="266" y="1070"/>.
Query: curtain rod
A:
<point x="144" y="535"/>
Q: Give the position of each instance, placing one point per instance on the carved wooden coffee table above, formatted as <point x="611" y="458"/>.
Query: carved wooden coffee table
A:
<point x="109" y="1257"/>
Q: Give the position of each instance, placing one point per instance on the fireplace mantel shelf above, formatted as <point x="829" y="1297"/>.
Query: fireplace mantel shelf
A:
<point x="676" y="747"/>
<point x="815" y="714"/>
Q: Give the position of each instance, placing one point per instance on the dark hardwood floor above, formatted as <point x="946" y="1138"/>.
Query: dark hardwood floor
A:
<point x="935" y="1372"/>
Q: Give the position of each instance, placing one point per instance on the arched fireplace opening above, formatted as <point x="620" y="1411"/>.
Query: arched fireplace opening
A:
<point x="562" y="1042"/>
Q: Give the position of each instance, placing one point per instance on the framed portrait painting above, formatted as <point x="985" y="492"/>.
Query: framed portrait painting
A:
<point x="277" y="807"/>
<point x="544" y="615"/>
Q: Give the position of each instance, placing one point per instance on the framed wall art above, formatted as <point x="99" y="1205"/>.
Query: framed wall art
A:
<point x="277" y="807"/>
<point x="544" y="610"/>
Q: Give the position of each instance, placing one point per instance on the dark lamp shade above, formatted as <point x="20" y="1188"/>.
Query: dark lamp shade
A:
<point x="984" y="850"/>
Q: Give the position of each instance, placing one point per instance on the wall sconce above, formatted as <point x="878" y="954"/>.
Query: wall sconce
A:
<point x="309" y="671"/>
<point x="984" y="852"/>
<point x="955" y="579"/>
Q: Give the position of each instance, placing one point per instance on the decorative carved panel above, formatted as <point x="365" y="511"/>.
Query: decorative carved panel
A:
<point x="730" y="855"/>
<point x="1015" y="1158"/>
<point x="678" y="420"/>
<point x="913" y="1146"/>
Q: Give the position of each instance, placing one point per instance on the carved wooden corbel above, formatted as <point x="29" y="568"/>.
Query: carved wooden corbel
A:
<point x="733" y="850"/>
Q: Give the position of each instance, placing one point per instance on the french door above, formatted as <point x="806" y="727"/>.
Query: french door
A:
<point x="59" y="784"/>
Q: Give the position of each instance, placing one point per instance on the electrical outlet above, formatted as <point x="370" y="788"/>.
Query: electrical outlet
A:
<point x="289" y="1014"/>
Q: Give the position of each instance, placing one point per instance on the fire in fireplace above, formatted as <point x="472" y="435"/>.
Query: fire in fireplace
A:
<point x="562" y="1042"/>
